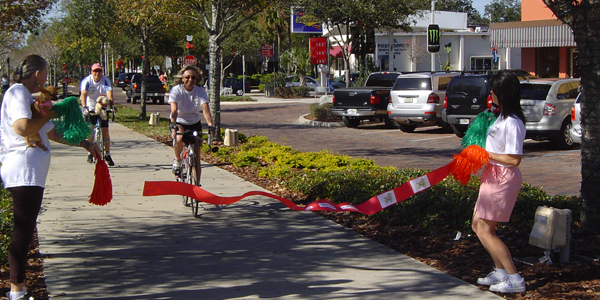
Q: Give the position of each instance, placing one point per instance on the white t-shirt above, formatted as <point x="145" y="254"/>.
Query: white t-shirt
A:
<point x="21" y="165"/>
<point x="506" y="136"/>
<point x="189" y="103"/>
<point x="95" y="89"/>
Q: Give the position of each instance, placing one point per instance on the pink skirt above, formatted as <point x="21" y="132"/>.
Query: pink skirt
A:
<point x="498" y="193"/>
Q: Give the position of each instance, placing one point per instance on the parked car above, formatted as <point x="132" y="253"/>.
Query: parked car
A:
<point x="293" y="80"/>
<point x="468" y="94"/>
<point x="340" y="82"/>
<point x="576" y="121"/>
<point x="417" y="100"/>
<point x="155" y="89"/>
<point x="368" y="102"/>
<point x="547" y="106"/>
<point x="237" y="85"/>
<point x="124" y="79"/>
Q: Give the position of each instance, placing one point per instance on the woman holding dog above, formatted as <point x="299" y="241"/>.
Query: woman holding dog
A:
<point x="187" y="99"/>
<point x="24" y="169"/>
<point x="501" y="181"/>
<point x="92" y="87"/>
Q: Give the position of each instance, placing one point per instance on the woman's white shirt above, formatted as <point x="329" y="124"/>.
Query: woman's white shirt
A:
<point x="21" y="165"/>
<point x="506" y="136"/>
<point x="189" y="103"/>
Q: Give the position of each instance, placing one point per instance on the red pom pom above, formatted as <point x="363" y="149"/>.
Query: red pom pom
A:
<point x="102" y="192"/>
<point x="468" y="162"/>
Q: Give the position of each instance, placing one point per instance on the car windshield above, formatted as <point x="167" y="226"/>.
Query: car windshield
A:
<point x="383" y="79"/>
<point x="534" y="91"/>
<point x="412" y="84"/>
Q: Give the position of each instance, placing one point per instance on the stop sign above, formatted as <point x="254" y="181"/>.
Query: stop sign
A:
<point x="67" y="80"/>
<point x="189" y="60"/>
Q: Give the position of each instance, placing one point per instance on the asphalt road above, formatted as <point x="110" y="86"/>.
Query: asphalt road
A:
<point x="556" y="171"/>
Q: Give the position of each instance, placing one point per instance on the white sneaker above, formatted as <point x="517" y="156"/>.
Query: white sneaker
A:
<point x="176" y="167"/>
<point x="509" y="286"/>
<point x="493" y="277"/>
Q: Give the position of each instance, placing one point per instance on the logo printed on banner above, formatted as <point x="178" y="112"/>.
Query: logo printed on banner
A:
<point x="386" y="199"/>
<point x="327" y="205"/>
<point x="345" y="207"/>
<point x="420" y="183"/>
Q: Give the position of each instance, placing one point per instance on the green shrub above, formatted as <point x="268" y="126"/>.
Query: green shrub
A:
<point x="300" y="91"/>
<point x="321" y="112"/>
<point x="283" y="92"/>
<point x="267" y="78"/>
<point x="261" y="87"/>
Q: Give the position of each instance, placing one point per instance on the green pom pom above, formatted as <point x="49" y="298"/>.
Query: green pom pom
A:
<point x="70" y="122"/>
<point x="477" y="132"/>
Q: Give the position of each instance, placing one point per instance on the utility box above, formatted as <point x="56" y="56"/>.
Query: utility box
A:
<point x="551" y="230"/>
<point x="154" y="118"/>
<point x="231" y="137"/>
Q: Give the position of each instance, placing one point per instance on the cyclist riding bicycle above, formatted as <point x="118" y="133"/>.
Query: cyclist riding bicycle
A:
<point x="93" y="87"/>
<point x="187" y="99"/>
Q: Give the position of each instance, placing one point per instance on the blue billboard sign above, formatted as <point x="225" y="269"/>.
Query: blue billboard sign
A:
<point x="304" y="23"/>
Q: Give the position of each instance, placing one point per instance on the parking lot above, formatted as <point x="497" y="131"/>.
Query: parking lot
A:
<point x="557" y="171"/>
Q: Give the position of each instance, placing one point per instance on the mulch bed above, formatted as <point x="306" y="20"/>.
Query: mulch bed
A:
<point x="465" y="259"/>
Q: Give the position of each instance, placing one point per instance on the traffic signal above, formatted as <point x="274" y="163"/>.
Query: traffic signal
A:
<point x="433" y="38"/>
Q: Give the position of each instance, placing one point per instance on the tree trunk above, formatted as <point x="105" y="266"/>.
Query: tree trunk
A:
<point x="587" y="36"/>
<point x="145" y="71"/>
<point x="214" y="74"/>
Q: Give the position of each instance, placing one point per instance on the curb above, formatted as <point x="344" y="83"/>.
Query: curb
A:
<point x="305" y="121"/>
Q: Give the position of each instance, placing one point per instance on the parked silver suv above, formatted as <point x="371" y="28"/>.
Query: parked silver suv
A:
<point x="417" y="100"/>
<point x="547" y="105"/>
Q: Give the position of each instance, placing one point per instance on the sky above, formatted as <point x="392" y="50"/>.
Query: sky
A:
<point x="480" y="5"/>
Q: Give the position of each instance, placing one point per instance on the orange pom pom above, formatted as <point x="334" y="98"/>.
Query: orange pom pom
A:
<point x="102" y="191"/>
<point x="468" y="162"/>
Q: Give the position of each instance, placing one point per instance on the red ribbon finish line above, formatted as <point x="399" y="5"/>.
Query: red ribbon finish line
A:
<point x="463" y="165"/>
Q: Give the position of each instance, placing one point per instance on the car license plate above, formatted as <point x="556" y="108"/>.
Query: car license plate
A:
<point x="464" y="121"/>
<point x="408" y="100"/>
<point x="351" y="111"/>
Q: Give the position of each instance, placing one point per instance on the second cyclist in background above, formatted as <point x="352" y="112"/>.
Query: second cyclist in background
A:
<point x="187" y="99"/>
<point x="91" y="88"/>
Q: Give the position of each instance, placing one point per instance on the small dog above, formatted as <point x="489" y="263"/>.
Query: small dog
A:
<point x="40" y="108"/>
<point x="98" y="109"/>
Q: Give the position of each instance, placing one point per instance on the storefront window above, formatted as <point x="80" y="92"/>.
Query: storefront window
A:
<point x="484" y="63"/>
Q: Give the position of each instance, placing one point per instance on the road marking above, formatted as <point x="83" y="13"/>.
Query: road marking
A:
<point x="378" y="131"/>
<point x="435" y="138"/>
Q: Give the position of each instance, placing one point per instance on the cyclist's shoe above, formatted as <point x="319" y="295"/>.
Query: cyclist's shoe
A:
<point x="109" y="160"/>
<point x="492" y="278"/>
<point x="509" y="285"/>
<point x="176" y="167"/>
<point x="26" y="296"/>
<point x="90" y="159"/>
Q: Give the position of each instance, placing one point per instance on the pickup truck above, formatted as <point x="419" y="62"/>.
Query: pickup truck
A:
<point x="368" y="102"/>
<point x="155" y="89"/>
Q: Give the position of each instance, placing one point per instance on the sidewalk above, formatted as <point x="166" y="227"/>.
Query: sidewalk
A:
<point x="152" y="248"/>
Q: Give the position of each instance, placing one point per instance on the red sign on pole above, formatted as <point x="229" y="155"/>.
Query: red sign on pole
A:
<point x="267" y="51"/>
<point x="318" y="51"/>
<point x="67" y="80"/>
<point x="189" y="60"/>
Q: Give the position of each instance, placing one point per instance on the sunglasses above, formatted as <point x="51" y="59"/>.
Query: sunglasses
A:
<point x="191" y="77"/>
<point x="99" y="71"/>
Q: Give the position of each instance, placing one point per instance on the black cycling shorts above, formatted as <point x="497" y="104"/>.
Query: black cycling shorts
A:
<point x="194" y="127"/>
<point x="92" y="119"/>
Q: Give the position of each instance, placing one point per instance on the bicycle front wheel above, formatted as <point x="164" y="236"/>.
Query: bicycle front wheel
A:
<point x="182" y="178"/>
<point x="193" y="170"/>
<point x="99" y="140"/>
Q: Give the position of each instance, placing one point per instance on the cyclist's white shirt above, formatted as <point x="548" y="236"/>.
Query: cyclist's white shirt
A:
<point x="189" y="104"/>
<point x="21" y="165"/>
<point x="95" y="89"/>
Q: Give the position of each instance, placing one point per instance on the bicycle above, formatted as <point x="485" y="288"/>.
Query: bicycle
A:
<point x="189" y="168"/>
<point x="97" y="131"/>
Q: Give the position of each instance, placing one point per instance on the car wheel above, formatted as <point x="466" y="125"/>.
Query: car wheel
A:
<point x="239" y="92"/>
<point x="459" y="131"/>
<point x="407" y="128"/>
<point x="161" y="100"/>
<point x="154" y="100"/>
<point x="128" y="99"/>
<point x="563" y="139"/>
<point x="351" y="123"/>
<point x="134" y="100"/>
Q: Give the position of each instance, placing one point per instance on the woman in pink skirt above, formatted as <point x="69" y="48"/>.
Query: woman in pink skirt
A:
<point x="501" y="181"/>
